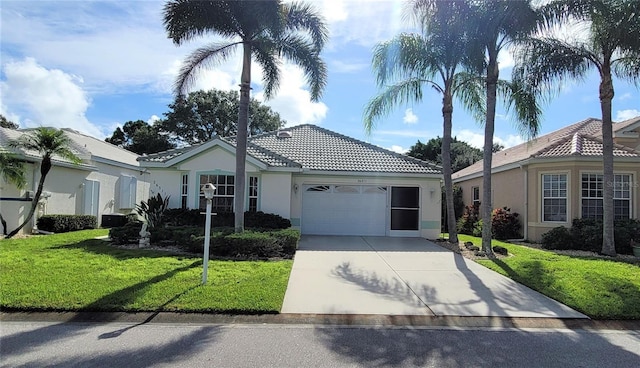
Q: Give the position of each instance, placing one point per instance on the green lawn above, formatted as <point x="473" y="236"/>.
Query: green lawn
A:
<point x="73" y="271"/>
<point x="601" y="289"/>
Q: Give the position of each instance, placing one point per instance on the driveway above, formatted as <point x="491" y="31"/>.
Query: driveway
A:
<point x="404" y="276"/>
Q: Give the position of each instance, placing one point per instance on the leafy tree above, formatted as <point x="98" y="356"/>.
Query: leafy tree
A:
<point x="497" y="147"/>
<point x="437" y="58"/>
<point x="462" y="154"/>
<point x="204" y="114"/>
<point x="7" y="124"/>
<point x="140" y="137"/>
<point x="11" y="171"/>
<point x="48" y="142"/>
<point x="495" y="24"/>
<point x="266" y="31"/>
<point x="611" y="46"/>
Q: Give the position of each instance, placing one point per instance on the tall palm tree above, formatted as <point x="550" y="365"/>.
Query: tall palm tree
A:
<point x="495" y="24"/>
<point x="48" y="142"/>
<point x="11" y="171"/>
<point x="435" y="58"/>
<point x="611" y="46"/>
<point x="266" y="31"/>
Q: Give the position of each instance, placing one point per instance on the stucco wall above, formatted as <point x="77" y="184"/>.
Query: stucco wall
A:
<point x="275" y="193"/>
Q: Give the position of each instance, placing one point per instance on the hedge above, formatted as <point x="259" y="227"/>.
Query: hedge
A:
<point x="586" y="234"/>
<point x="259" y="219"/>
<point x="66" y="223"/>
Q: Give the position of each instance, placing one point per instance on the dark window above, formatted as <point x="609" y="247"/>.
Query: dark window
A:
<point x="405" y="208"/>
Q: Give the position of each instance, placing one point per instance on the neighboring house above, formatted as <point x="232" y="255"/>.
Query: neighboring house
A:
<point x="324" y="182"/>
<point x="558" y="177"/>
<point x="109" y="180"/>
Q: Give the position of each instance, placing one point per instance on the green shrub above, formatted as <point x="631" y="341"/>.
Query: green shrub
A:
<point x="127" y="234"/>
<point x="467" y="223"/>
<point x="153" y="210"/>
<point x="586" y="234"/>
<point x="66" y="223"/>
<point x="246" y="245"/>
<point x="504" y="224"/>
<point x="256" y="220"/>
<point x="557" y="238"/>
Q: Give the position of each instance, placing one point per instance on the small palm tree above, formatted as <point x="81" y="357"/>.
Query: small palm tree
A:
<point x="48" y="142"/>
<point x="611" y="46"/>
<point x="436" y="58"/>
<point x="11" y="171"/>
<point x="266" y="31"/>
<point x="496" y="24"/>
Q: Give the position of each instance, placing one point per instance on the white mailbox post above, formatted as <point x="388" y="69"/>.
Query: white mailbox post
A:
<point x="208" y="190"/>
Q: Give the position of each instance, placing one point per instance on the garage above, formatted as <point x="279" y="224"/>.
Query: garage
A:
<point x="344" y="210"/>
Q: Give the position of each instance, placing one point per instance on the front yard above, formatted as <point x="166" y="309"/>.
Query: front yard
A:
<point x="74" y="271"/>
<point x="599" y="288"/>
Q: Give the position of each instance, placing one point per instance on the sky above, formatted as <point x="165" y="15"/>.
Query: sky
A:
<point x="94" y="65"/>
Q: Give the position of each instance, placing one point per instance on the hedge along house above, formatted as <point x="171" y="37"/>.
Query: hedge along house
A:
<point x="558" y="177"/>
<point x="324" y="182"/>
<point x="109" y="180"/>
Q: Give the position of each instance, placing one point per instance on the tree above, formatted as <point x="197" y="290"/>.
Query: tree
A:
<point x="266" y="31"/>
<point x="611" y="46"/>
<point x="462" y="154"/>
<point x="48" y="142"/>
<point x="435" y="58"/>
<point x="497" y="147"/>
<point x="140" y="137"/>
<point x="7" y="124"/>
<point x="11" y="171"/>
<point x="204" y="114"/>
<point x="495" y="24"/>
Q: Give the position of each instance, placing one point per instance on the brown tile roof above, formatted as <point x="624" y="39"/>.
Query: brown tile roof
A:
<point x="579" y="139"/>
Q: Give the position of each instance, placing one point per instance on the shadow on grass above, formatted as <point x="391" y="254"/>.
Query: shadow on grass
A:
<point x="15" y="344"/>
<point x="102" y="247"/>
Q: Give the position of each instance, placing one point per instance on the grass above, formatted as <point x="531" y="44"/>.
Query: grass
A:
<point x="75" y="272"/>
<point x="599" y="288"/>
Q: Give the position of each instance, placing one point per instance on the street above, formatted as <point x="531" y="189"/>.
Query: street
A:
<point x="38" y="344"/>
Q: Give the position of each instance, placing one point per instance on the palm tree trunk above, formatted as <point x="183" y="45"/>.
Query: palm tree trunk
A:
<point x="606" y="95"/>
<point x="489" y="127"/>
<point x="241" y="138"/>
<point x="4" y="225"/>
<point x="45" y="166"/>
<point x="447" y="112"/>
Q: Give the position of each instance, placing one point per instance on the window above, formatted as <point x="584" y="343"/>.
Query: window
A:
<point x="592" y="196"/>
<point x="184" y="190"/>
<point x="476" y="196"/>
<point x="223" y="197"/>
<point x="405" y="208"/>
<point x="554" y="197"/>
<point x="253" y="194"/>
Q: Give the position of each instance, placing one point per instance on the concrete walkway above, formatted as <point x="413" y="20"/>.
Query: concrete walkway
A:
<point x="404" y="276"/>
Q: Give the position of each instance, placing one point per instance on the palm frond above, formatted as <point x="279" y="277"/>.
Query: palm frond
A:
<point x="48" y="142"/>
<point x="524" y="100"/>
<point x="202" y="58"/>
<point x="304" y="54"/>
<point x="12" y="170"/>
<point x="186" y="19"/>
<point x="304" y="17"/>
<point x="469" y="89"/>
<point x="263" y="52"/>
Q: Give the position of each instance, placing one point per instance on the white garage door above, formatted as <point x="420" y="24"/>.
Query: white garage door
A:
<point x="344" y="210"/>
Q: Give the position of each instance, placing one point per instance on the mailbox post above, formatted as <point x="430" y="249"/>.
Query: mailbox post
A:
<point x="208" y="190"/>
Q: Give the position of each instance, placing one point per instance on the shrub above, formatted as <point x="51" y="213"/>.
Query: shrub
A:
<point x="257" y="220"/>
<point x="557" y="238"/>
<point x="129" y="233"/>
<point x="66" y="223"/>
<point x="458" y="207"/>
<point x="153" y="210"/>
<point x="247" y="245"/>
<point x="467" y="223"/>
<point x="504" y="224"/>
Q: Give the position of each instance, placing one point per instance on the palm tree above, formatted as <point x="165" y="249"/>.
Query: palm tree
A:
<point x="266" y="31"/>
<point x="48" y="142"/>
<point x="11" y="171"/>
<point x="436" y="58"/>
<point x="495" y="24"/>
<point x="611" y="46"/>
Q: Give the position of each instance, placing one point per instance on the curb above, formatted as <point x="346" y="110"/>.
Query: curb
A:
<point x="322" y="319"/>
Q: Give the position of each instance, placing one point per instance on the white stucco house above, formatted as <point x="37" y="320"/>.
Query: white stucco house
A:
<point x="108" y="181"/>
<point x="324" y="182"/>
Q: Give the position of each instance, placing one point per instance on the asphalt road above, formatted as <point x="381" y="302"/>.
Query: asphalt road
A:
<point x="38" y="344"/>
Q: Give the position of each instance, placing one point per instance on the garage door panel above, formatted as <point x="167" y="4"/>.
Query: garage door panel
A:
<point x="344" y="210"/>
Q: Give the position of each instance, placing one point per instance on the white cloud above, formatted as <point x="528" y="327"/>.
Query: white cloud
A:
<point x="46" y="97"/>
<point x="152" y="119"/>
<point x="409" y="117"/>
<point x="477" y="139"/>
<point x="340" y="66"/>
<point x="397" y="149"/>
<point x="626" y="114"/>
<point x="626" y="96"/>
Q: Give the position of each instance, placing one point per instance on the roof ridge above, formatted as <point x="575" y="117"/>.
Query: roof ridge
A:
<point x="270" y="152"/>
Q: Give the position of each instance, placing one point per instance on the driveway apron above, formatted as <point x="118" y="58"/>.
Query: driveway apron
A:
<point x="404" y="276"/>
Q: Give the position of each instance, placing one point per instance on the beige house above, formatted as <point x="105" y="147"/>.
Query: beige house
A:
<point x="557" y="177"/>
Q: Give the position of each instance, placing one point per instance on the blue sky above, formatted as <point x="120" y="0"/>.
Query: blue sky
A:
<point x="93" y="65"/>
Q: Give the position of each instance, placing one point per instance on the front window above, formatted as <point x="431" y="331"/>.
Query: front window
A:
<point x="554" y="197"/>
<point x="476" y="196"/>
<point x="593" y="196"/>
<point x="184" y="190"/>
<point x="223" y="196"/>
<point x="253" y="194"/>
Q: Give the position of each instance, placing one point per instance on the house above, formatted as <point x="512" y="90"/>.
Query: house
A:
<point x="109" y="180"/>
<point x="324" y="182"/>
<point x="558" y="177"/>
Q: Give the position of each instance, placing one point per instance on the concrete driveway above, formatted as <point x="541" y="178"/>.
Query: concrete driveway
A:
<point x="404" y="276"/>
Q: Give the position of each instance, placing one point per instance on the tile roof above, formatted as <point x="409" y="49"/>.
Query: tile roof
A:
<point x="314" y="148"/>
<point x="580" y="139"/>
